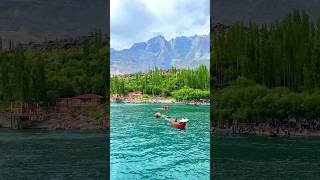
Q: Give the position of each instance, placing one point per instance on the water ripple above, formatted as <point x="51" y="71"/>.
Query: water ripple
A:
<point x="142" y="147"/>
<point x="36" y="154"/>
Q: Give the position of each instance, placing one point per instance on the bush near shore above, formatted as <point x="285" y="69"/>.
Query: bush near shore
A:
<point x="246" y="101"/>
<point x="190" y="94"/>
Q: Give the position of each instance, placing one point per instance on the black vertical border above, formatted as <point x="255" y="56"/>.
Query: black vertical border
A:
<point x="107" y="85"/>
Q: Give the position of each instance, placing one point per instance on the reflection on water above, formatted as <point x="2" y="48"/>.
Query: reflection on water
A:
<point x="143" y="147"/>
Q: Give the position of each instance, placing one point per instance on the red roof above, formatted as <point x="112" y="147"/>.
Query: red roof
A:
<point x="88" y="96"/>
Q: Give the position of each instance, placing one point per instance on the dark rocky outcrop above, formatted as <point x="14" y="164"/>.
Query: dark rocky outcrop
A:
<point x="219" y="28"/>
<point x="62" y="44"/>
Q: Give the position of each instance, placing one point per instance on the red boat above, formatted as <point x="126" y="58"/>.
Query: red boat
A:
<point x="166" y="107"/>
<point x="178" y="124"/>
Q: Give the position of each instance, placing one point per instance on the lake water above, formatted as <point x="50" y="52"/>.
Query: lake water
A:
<point x="143" y="147"/>
<point x="254" y="157"/>
<point x="37" y="154"/>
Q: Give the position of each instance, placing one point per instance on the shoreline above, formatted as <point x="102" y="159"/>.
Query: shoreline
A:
<point x="79" y="119"/>
<point x="160" y="102"/>
<point x="305" y="134"/>
<point x="53" y="130"/>
<point x="135" y="99"/>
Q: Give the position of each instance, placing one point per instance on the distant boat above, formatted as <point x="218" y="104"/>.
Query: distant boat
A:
<point x="157" y="114"/>
<point x="166" y="107"/>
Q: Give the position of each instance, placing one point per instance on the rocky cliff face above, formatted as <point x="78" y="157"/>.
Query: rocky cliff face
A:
<point x="180" y="52"/>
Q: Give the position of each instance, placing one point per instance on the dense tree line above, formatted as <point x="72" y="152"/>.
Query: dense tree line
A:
<point x="165" y="82"/>
<point x="28" y="75"/>
<point x="246" y="101"/>
<point x="267" y="72"/>
<point x="285" y="53"/>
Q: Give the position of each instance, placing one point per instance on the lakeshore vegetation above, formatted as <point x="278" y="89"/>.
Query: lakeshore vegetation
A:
<point x="28" y="75"/>
<point x="267" y="72"/>
<point x="181" y="84"/>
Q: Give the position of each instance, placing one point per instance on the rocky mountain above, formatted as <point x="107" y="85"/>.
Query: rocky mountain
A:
<point x="259" y="11"/>
<point x="180" y="52"/>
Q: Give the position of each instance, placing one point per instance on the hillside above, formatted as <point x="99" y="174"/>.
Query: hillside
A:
<point x="180" y="84"/>
<point x="43" y="72"/>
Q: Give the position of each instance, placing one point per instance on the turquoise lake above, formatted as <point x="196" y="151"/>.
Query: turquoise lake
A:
<point x="143" y="147"/>
<point x="265" y="158"/>
<point x="38" y="154"/>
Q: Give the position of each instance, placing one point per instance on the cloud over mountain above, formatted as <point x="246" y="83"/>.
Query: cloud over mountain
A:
<point x="139" y="20"/>
<point x="180" y="52"/>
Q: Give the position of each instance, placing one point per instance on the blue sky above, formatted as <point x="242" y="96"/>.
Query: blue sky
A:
<point x="134" y="21"/>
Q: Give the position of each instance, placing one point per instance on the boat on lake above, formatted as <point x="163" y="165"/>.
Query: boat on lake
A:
<point x="166" y="107"/>
<point x="180" y="124"/>
<point x="157" y="114"/>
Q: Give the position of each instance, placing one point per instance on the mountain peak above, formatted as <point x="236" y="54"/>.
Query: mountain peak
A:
<point x="157" y="44"/>
<point x="159" y="37"/>
<point x="180" y="52"/>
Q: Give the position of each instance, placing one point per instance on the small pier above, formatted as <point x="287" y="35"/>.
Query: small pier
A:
<point x="24" y="113"/>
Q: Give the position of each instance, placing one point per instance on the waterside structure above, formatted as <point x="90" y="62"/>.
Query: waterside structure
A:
<point x="84" y="100"/>
<point x="24" y="113"/>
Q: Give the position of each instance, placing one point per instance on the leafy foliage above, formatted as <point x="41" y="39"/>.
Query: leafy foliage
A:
<point x="172" y="82"/>
<point x="257" y="103"/>
<point x="281" y="54"/>
<point x="267" y="71"/>
<point x="42" y="76"/>
<point x="191" y="94"/>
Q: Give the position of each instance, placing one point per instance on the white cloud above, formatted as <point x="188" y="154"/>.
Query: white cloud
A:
<point x="139" y="20"/>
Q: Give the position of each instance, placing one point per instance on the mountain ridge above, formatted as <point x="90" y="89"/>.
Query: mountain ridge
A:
<point x="180" y="52"/>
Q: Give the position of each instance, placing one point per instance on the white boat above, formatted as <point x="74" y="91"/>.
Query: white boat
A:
<point x="183" y="120"/>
